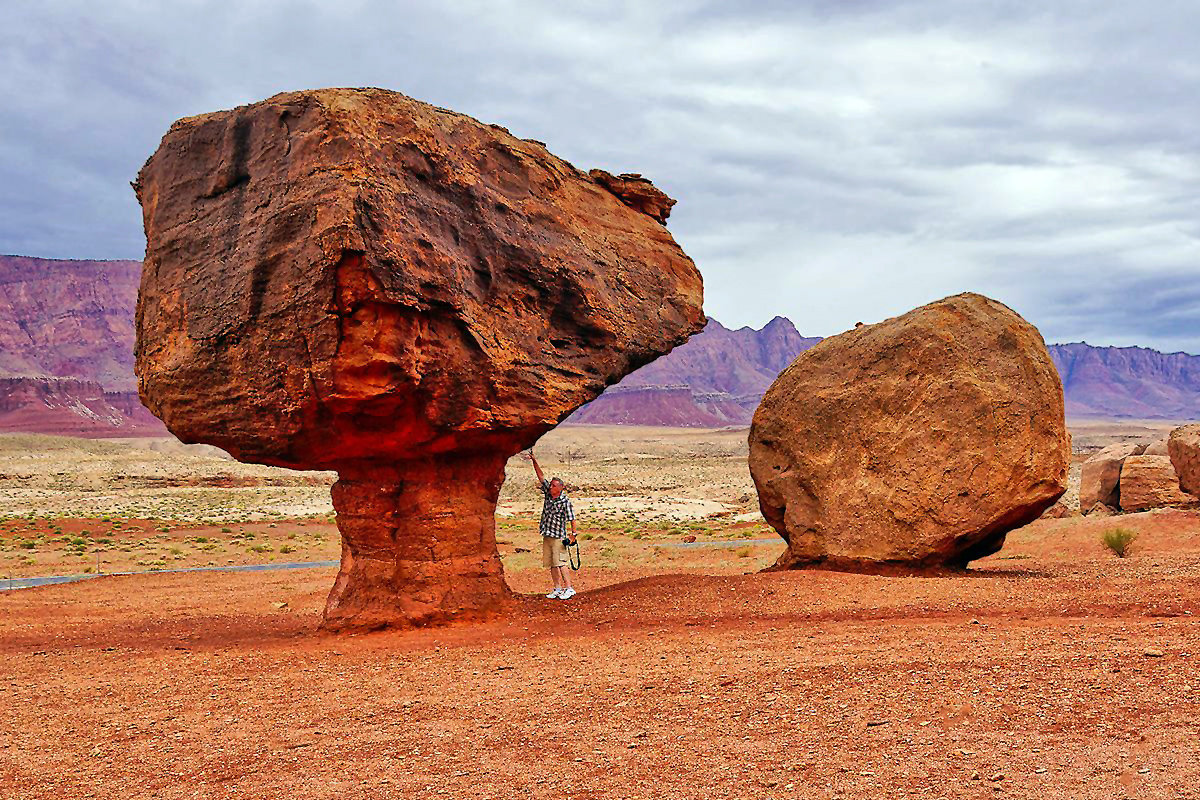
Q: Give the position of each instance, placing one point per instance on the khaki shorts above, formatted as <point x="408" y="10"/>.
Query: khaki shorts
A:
<point x="554" y="552"/>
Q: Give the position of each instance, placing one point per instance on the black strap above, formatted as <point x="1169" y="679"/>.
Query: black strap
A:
<point x="574" y="560"/>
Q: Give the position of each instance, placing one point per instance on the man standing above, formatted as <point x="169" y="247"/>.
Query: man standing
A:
<point x="556" y="513"/>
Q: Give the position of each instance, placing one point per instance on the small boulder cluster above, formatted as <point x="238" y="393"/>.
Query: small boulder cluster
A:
<point x="1132" y="477"/>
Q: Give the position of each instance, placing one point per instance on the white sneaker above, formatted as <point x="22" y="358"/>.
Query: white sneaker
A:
<point x="566" y="594"/>
<point x="555" y="594"/>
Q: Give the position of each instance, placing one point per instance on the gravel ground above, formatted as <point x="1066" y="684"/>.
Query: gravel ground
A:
<point x="1053" y="670"/>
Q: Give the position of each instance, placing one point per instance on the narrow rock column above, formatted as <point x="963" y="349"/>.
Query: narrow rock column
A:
<point x="418" y="542"/>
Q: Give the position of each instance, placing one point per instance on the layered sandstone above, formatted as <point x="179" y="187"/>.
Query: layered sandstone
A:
<point x="1149" y="482"/>
<point x="353" y="280"/>
<point x="1100" y="476"/>
<point x="1183" y="446"/>
<point x="919" y="442"/>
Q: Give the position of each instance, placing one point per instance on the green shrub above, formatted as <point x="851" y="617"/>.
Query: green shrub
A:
<point x="1118" y="540"/>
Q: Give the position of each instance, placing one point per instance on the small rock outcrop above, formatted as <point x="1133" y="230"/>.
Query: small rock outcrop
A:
<point x="1100" y="476"/>
<point x="350" y="279"/>
<point x="1059" y="510"/>
<point x="920" y="441"/>
<point x="1149" y="482"/>
<point x="1158" y="448"/>
<point x="1183" y="445"/>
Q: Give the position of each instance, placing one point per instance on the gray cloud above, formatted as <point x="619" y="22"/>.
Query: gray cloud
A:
<point x="835" y="161"/>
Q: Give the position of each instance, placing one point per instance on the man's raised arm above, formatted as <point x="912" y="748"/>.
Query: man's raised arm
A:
<point x="536" y="468"/>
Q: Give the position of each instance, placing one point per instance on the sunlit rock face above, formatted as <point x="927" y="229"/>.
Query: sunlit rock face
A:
<point x="350" y="279"/>
<point x="918" y="442"/>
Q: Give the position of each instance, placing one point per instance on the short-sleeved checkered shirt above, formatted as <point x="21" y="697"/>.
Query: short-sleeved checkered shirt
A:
<point x="556" y="513"/>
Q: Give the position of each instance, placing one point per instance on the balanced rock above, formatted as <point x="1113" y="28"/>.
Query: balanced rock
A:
<point x="1183" y="446"/>
<point x="1150" y="482"/>
<point x="919" y="441"/>
<point x="350" y="279"/>
<point x="1100" y="475"/>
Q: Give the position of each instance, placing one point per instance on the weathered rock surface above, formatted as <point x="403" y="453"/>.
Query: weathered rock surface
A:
<point x="920" y="441"/>
<point x="1100" y="476"/>
<point x="1158" y="448"/>
<point x="1150" y="482"/>
<point x="354" y="280"/>
<point x="1183" y="446"/>
<point x="1060" y="510"/>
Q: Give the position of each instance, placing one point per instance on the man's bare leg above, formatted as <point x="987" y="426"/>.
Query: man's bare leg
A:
<point x="565" y="576"/>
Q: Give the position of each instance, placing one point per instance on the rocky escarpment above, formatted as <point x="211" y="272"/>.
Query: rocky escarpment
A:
<point x="353" y="280"/>
<point x="1131" y="382"/>
<point x="919" y="441"/>
<point x="66" y="348"/>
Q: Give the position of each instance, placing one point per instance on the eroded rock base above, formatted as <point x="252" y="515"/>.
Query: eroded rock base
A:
<point x="418" y="544"/>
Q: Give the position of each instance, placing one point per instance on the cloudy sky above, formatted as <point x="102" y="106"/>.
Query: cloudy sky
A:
<point x="834" y="160"/>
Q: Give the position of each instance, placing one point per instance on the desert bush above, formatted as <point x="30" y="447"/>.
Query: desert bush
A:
<point x="743" y="552"/>
<point x="1118" y="540"/>
<point x="287" y="548"/>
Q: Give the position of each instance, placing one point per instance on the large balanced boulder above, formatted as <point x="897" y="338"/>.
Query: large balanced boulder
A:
<point x="1183" y="446"/>
<point x="350" y="279"/>
<point x="917" y="442"/>
<point x="1100" y="476"/>
<point x="1150" y="482"/>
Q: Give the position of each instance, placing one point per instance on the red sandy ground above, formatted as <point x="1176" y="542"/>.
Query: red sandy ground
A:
<point x="1026" y="677"/>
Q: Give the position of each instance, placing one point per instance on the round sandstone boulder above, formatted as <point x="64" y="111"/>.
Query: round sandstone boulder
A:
<point x="1184" y="448"/>
<point x="919" y="441"/>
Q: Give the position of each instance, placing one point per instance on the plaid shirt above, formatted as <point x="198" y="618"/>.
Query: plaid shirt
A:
<point x="556" y="512"/>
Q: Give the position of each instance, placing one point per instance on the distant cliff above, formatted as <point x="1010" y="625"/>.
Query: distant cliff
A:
<point x="66" y="364"/>
<point x="66" y="348"/>
<point x="1128" y="381"/>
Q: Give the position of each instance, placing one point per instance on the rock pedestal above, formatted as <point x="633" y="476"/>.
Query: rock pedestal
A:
<point x="418" y="537"/>
<point x="917" y="442"/>
<point x="349" y="279"/>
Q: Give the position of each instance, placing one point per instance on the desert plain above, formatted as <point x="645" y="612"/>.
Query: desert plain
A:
<point x="1053" y="669"/>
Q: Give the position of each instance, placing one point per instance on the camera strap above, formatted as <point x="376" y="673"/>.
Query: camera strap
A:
<point x="574" y="559"/>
